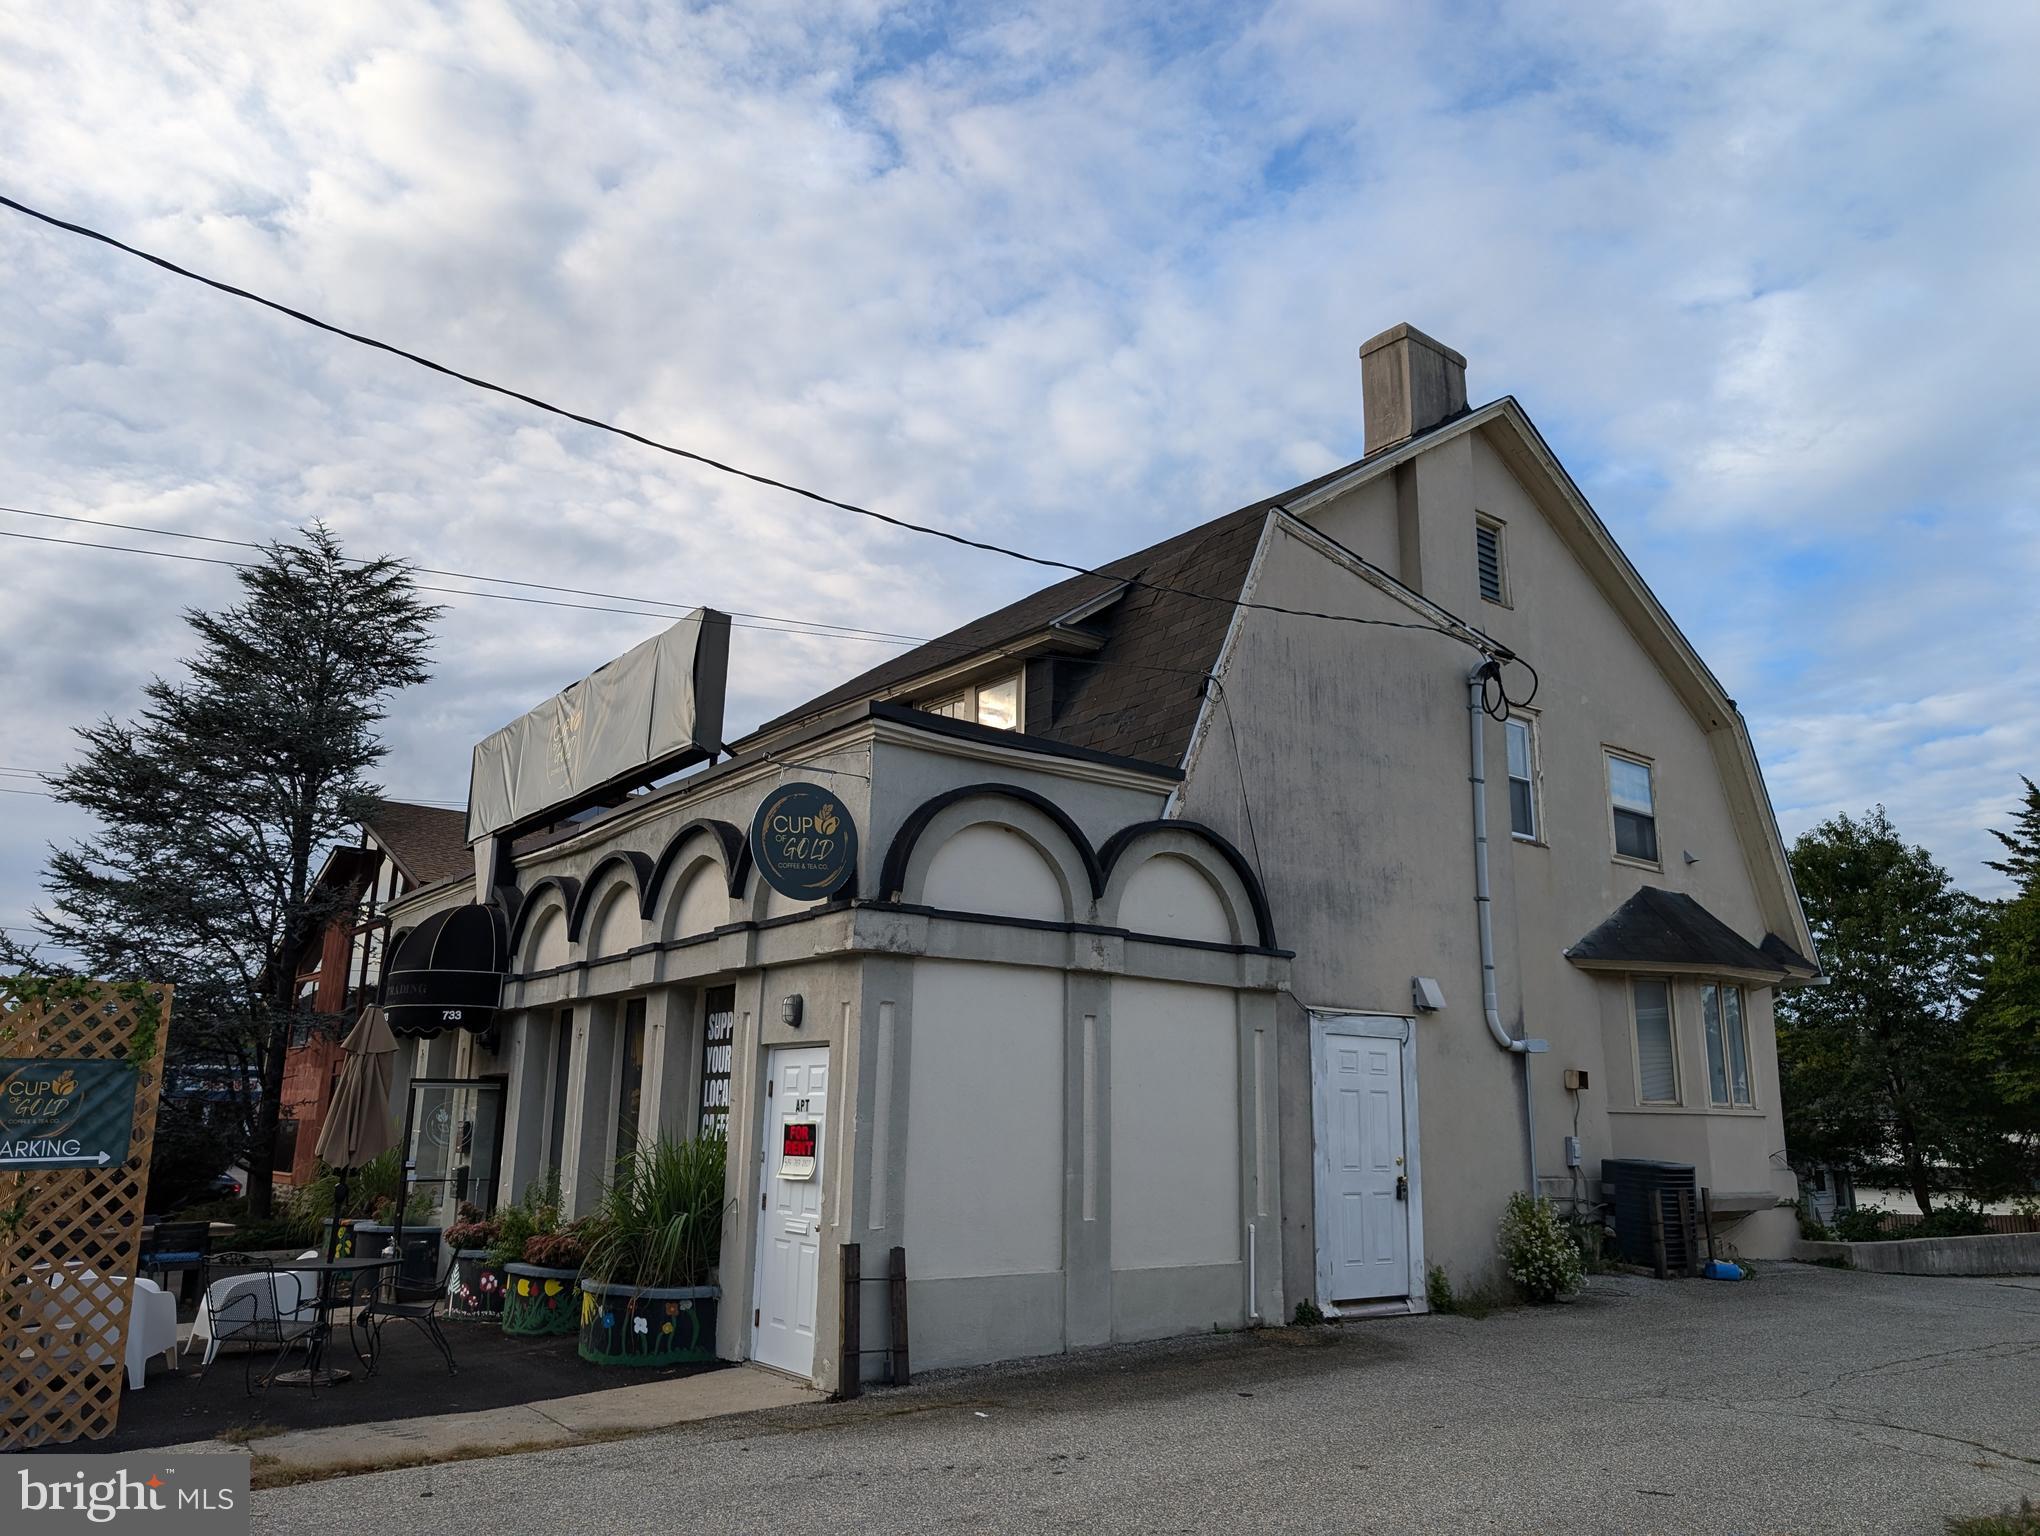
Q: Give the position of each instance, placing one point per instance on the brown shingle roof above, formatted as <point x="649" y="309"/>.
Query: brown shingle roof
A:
<point x="428" y="842"/>
<point x="1140" y="697"/>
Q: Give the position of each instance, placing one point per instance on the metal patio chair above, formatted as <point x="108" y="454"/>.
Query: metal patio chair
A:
<point x="267" y="1312"/>
<point x="407" y="1301"/>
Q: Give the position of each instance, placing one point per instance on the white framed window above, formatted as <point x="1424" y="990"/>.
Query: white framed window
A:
<point x="1632" y="800"/>
<point x="995" y="703"/>
<point x="1523" y="818"/>
<point x="1488" y="559"/>
<point x="1728" y="1046"/>
<point x="1657" y="1055"/>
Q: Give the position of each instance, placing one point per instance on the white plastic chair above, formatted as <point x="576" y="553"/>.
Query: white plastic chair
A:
<point x="250" y="1299"/>
<point x="152" y="1330"/>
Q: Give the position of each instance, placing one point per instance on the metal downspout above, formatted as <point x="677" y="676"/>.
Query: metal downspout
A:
<point x="1491" y="1007"/>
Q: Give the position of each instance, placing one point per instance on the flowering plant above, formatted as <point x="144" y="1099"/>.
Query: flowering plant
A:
<point x="1542" y="1260"/>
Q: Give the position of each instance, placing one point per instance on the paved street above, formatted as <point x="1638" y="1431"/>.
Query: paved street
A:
<point x="1808" y="1400"/>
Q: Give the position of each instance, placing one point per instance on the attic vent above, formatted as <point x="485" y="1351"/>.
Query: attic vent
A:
<point x="1487" y="548"/>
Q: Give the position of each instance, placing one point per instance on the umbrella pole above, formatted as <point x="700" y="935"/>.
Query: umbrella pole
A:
<point x="339" y="1205"/>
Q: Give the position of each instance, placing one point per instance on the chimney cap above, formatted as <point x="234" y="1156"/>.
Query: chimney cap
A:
<point x="1408" y="332"/>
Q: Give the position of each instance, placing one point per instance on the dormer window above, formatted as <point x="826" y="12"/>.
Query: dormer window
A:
<point x="995" y="702"/>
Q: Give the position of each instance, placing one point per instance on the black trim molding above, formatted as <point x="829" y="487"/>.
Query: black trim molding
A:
<point x="892" y="877"/>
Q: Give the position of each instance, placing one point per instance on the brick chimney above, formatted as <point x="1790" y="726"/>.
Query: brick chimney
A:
<point x="1408" y="383"/>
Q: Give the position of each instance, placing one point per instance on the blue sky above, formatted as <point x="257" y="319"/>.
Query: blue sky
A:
<point x="1067" y="276"/>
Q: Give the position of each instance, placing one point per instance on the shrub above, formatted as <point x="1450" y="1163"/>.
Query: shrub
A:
<point x="535" y="1214"/>
<point x="1438" y="1289"/>
<point x="555" y="1250"/>
<point x="1865" y="1224"/>
<point x="1541" y="1259"/>
<point x="474" y="1234"/>
<point x="1811" y="1228"/>
<point x="1308" y="1314"/>
<point x="1955" y="1218"/>
<point x="660" y="1221"/>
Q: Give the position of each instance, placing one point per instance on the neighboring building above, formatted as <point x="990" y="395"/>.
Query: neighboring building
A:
<point x="402" y="848"/>
<point x="1156" y="999"/>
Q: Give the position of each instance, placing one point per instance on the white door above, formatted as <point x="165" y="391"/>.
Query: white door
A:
<point x="1364" y="1191"/>
<point x="790" y="1214"/>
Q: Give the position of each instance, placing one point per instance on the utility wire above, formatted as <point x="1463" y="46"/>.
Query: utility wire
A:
<point x="1482" y="644"/>
<point x="843" y="632"/>
<point x="506" y="581"/>
<point x="783" y="627"/>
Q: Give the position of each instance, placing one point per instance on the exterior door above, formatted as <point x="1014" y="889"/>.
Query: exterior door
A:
<point x="790" y="1215"/>
<point x="1366" y="1188"/>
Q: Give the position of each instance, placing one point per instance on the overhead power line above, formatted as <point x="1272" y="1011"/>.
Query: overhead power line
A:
<point x="505" y="581"/>
<point x="1469" y="637"/>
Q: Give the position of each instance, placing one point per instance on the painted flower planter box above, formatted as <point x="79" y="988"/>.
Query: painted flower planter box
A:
<point x="659" y="1325"/>
<point x="539" y="1302"/>
<point x="476" y="1288"/>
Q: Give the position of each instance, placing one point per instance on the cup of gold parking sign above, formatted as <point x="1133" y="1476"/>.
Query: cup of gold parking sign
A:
<point x="65" y="1114"/>
<point x="165" y="1493"/>
<point x="804" y="842"/>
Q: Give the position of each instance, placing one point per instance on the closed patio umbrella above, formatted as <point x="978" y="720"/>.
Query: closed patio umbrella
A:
<point x="358" y="1128"/>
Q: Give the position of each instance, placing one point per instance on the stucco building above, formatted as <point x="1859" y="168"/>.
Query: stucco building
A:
<point x="1178" y="979"/>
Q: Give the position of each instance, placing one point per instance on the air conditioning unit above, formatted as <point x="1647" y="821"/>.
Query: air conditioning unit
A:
<point x="1632" y="1185"/>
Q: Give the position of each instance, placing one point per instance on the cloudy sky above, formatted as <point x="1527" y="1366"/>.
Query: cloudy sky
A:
<point x="1064" y="275"/>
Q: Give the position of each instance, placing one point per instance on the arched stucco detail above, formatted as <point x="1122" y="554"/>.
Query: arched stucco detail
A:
<point x="990" y="867"/>
<point x="1229" y="875"/>
<point x="699" y="901"/>
<point x="1025" y="818"/>
<point x="617" y="928"/>
<point x="545" y="940"/>
<point x="634" y="869"/>
<point x="1171" y="895"/>
<point x="703" y="836"/>
<point x="554" y="892"/>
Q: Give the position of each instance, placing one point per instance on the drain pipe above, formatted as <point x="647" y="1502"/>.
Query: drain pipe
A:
<point x="1491" y="1007"/>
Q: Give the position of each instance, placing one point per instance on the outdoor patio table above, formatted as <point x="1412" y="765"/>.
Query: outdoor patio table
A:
<point x="315" y="1372"/>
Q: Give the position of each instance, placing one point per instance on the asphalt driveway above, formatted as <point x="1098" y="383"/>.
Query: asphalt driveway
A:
<point x="1806" y="1400"/>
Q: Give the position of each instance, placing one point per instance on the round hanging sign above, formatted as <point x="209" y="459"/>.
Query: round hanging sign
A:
<point x="804" y="842"/>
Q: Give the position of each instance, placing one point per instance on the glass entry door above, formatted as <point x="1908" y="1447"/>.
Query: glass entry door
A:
<point x="453" y="1144"/>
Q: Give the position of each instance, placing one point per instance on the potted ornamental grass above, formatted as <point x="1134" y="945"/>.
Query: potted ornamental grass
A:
<point x="474" y="1287"/>
<point x="648" y="1295"/>
<point x="540" y="1256"/>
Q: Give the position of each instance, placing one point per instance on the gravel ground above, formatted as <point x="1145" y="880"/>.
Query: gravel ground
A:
<point x="1807" y="1400"/>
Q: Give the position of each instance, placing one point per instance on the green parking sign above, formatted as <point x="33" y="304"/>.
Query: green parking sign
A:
<point x="65" y="1114"/>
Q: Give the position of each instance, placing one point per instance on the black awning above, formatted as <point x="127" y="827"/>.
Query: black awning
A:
<point x="448" y="972"/>
<point x="1669" y="931"/>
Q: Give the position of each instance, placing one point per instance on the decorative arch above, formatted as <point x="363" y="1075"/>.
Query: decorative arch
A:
<point x="899" y="857"/>
<point x="732" y="852"/>
<point x="1220" y="861"/>
<point x="639" y="868"/>
<point x="566" y="887"/>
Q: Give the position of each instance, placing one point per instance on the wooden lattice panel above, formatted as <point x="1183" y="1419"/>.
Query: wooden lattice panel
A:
<point x="63" y="1335"/>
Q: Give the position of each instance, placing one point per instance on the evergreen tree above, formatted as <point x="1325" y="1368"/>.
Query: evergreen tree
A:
<point x="2022" y="843"/>
<point x="1877" y="1065"/>
<point x="215" y="802"/>
<point x="2005" y="1028"/>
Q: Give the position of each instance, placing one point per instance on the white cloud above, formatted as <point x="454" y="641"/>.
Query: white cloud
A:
<point x="1067" y="276"/>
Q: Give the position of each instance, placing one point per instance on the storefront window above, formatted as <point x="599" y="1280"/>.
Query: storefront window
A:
<point x="718" y="1032"/>
<point x="630" y="1081"/>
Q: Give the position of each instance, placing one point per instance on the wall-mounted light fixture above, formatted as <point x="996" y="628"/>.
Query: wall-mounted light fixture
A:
<point x="789" y="1010"/>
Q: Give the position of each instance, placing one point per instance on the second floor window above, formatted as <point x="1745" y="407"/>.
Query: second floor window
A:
<point x="995" y="703"/>
<point x="1633" y="799"/>
<point x="1522" y="780"/>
